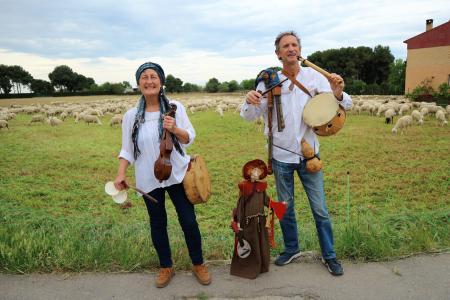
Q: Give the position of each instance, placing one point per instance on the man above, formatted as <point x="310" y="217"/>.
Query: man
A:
<point x="293" y="101"/>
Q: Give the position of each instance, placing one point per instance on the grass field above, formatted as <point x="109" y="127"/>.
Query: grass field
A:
<point x="388" y="195"/>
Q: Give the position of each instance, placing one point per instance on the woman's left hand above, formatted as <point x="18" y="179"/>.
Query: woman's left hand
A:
<point x="169" y="123"/>
<point x="337" y="85"/>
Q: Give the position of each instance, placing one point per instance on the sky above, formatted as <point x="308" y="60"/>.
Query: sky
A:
<point x="196" y="40"/>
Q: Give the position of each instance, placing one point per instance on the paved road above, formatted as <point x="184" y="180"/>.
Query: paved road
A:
<point x="419" y="277"/>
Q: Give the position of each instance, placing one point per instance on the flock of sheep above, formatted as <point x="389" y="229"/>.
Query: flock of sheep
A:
<point x="409" y="113"/>
<point x="56" y="113"/>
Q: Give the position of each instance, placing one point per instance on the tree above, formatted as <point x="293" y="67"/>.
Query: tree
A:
<point x="19" y="77"/>
<point x="126" y="84"/>
<point x="63" y="77"/>
<point x="356" y="87"/>
<point x="233" y="86"/>
<point x="190" y="87"/>
<point x="382" y="58"/>
<point x="361" y="63"/>
<point x="396" y="78"/>
<point x="41" y="87"/>
<point x="365" y="69"/>
<point x="13" y="77"/>
<point x="5" y="81"/>
<point x="111" y="88"/>
<point x="443" y="94"/>
<point x="223" y="87"/>
<point x="80" y="82"/>
<point x="247" y="84"/>
<point x="173" y="85"/>
<point x="212" y="86"/>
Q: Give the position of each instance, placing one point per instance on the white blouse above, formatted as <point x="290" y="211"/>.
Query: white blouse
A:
<point x="148" y="142"/>
<point x="293" y="102"/>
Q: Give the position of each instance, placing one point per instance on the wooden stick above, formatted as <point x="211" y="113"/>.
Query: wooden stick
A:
<point x="144" y="194"/>
<point x="315" y="67"/>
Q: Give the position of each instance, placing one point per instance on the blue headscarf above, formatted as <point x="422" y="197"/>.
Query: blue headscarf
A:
<point x="163" y="108"/>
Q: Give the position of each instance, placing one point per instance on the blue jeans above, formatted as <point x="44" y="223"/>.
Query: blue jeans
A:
<point x="313" y="185"/>
<point x="186" y="217"/>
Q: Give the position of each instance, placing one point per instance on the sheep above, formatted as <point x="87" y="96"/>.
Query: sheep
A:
<point x="91" y="119"/>
<point x="424" y="111"/>
<point x="78" y="116"/>
<point x="238" y="108"/>
<point x="117" y="119"/>
<point x="7" y="116"/>
<point x="37" y="118"/>
<point x="440" y="116"/>
<point x="366" y="107"/>
<point x="54" y="121"/>
<point x="417" y="116"/>
<point x="389" y="115"/>
<point x="357" y="109"/>
<point x="382" y="108"/>
<point x="4" y="124"/>
<point x="219" y="110"/>
<point x="433" y="108"/>
<point x="403" y="108"/>
<point x="447" y="108"/>
<point x="402" y="124"/>
<point x="93" y="112"/>
<point x="202" y="107"/>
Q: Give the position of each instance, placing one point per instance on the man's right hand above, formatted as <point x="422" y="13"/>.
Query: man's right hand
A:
<point x="253" y="97"/>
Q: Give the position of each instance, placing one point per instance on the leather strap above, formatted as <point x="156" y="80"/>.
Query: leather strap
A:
<point x="295" y="81"/>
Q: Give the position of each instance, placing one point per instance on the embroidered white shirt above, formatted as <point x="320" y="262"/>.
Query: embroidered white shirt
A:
<point x="293" y="103"/>
<point x="148" y="142"/>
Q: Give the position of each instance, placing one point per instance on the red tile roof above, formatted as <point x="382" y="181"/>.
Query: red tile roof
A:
<point x="436" y="37"/>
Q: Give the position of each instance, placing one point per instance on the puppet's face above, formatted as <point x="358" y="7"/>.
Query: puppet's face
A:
<point x="254" y="174"/>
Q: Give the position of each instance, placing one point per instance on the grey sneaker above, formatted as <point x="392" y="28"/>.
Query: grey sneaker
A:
<point x="333" y="266"/>
<point x="285" y="258"/>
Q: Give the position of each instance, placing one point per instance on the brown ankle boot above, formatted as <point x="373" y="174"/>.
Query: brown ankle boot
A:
<point x="201" y="272"/>
<point x="164" y="277"/>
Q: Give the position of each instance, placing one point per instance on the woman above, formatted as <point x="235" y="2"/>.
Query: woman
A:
<point x="142" y="129"/>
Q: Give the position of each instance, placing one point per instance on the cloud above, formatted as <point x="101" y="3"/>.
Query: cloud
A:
<point x="194" y="67"/>
<point x="197" y="40"/>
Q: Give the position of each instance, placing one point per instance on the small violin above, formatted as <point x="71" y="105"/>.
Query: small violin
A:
<point x="163" y="166"/>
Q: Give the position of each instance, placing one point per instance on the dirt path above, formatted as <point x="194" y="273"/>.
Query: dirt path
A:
<point x="419" y="277"/>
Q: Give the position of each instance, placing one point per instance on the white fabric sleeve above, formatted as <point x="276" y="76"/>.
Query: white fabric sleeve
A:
<point x="127" y="144"/>
<point x="346" y="101"/>
<point x="252" y="112"/>
<point x="182" y="120"/>
<point x="323" y="86"/>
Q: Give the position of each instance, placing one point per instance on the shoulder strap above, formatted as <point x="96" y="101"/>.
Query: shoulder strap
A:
<point x="295" y="81"/>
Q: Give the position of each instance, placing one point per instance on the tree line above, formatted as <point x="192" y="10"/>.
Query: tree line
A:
<point x="63" y="80"/>
<point x="365" y="70"/>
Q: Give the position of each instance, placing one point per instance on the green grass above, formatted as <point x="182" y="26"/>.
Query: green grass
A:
<point x="55" y="215"/>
